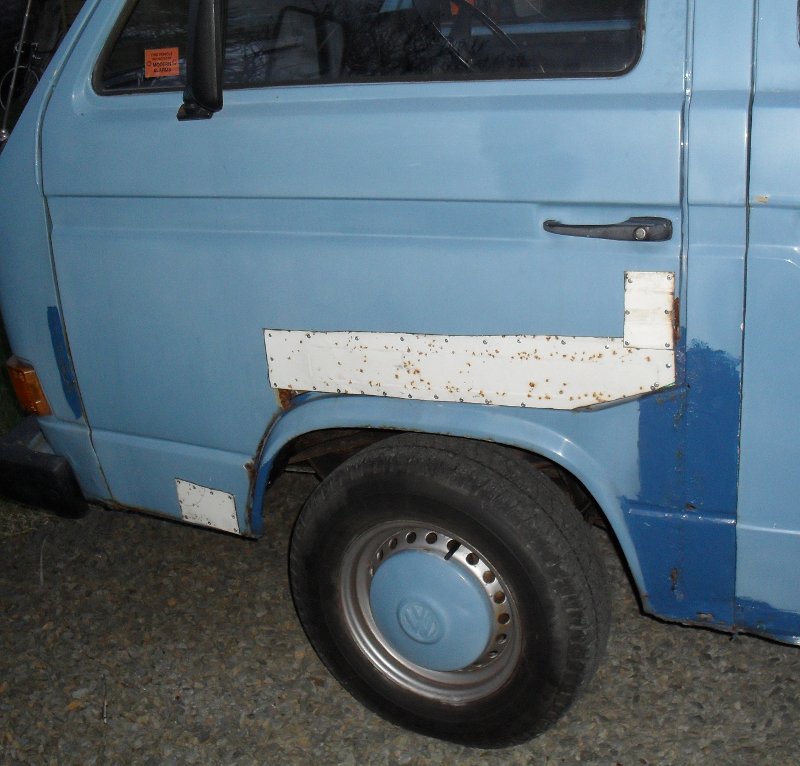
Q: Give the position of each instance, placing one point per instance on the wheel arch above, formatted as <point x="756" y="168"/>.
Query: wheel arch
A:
<point x="318" y="412"/>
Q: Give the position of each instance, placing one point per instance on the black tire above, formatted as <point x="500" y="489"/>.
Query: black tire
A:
<point x="516" y="534"/>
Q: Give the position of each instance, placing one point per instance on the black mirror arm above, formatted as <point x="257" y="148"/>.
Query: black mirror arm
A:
<point x="205" y="55"/>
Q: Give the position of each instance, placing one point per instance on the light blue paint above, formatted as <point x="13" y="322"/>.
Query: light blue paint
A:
<point x="27" y="287"/>
<point x="768" y="536"/>
<point x="599" y="446"/>
<point x="73" y="441"/>
<point x="411" y="207"/>
<point x="430" y="611"/>
<point x="418" y="207"/>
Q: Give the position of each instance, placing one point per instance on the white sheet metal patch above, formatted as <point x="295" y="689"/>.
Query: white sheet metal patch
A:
<point x="649" y="305"/>
<point x="207" y="507"/>
<point x="541" y="371"/>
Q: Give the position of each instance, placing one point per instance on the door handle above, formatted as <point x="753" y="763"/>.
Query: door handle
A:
<point x="645" y="229"/>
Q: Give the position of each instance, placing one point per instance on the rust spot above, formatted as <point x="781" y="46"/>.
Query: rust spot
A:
<point x="285" y="397"/>
<point x="676" y="321"/>
<point x="674" y="576"/>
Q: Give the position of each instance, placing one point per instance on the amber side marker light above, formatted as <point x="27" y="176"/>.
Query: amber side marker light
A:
<point x="27" y="387"/>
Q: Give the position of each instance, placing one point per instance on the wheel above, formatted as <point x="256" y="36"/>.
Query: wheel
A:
<point x="450" y="588"/>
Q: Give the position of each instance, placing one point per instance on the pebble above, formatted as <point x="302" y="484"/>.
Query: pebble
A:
<point x="186" y="639"/>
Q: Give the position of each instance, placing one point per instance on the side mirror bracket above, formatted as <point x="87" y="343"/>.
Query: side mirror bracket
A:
<point x="205" y="55"/>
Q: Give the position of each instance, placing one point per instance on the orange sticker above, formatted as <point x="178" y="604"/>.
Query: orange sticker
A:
<point x="161" y="62"/>
<point x="454" y="8"/>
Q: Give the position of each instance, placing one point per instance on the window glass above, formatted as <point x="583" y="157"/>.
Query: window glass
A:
<point x="278" y="42"/>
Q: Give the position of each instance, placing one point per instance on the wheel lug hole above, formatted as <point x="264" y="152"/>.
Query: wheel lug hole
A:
<point x="393" y="543"/>
<point x="502" y="638"/>
<point x="499" y="597"/>
<point x="488" y="577"/>
<point x="379" y="555"/>
<point x="431" y="538"/>
<point x="411" y="537"/>
<point x="504" y="618"/>
<point x="472" y="559"/>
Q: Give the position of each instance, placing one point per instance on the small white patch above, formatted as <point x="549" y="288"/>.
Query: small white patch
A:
<point x="539" y="371"/>
<point x="649" y="299"/>
<point x="207" y="507"/>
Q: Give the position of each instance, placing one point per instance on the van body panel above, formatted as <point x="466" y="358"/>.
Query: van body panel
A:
<point x="156" y="253"/>
<point x="420" y="204"/>
<point x="768" y="531"/>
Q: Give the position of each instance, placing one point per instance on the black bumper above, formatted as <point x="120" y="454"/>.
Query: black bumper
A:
<point x="31" y="474"/>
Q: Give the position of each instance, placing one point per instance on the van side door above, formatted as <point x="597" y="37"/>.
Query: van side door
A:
<point x="386" y="166"/>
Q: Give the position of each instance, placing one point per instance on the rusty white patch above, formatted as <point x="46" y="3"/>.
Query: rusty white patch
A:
<point x="207" y="507"/>
<point x="540" y="371"/>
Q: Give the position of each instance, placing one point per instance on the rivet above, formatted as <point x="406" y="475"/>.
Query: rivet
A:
<point x="666" y="345"/>
<point x="640" y="233"/>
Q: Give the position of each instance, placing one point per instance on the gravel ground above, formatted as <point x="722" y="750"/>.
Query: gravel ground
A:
<point x="130" y="640"/>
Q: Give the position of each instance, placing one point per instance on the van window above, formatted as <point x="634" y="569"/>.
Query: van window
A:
<point x="280" y="42"/>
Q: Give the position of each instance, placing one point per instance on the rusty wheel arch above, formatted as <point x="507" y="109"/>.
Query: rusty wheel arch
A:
<point x="320" y="452"/>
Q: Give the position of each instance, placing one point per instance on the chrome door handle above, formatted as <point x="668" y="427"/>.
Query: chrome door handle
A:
<point x="644" y="229"/>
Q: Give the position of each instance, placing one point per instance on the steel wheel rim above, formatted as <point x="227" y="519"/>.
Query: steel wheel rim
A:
<point x="480" y="678"/>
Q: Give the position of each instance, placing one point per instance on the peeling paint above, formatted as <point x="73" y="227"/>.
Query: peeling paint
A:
<point x="207" y="507"/>
<point x="538" y="371"/>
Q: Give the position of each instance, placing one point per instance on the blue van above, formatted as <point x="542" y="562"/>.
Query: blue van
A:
<point x="491" y="268"/>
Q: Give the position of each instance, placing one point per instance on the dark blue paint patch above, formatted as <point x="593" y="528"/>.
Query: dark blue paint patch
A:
<point x="766" y="620"/>
<point x="689" y="563"/>
<point x="689" y="437"/>
<point x="69" y="383"/>
<point x="683" y="521"/>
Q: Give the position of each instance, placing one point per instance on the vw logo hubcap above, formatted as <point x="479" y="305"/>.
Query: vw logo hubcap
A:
<point x="420" y="622"/>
